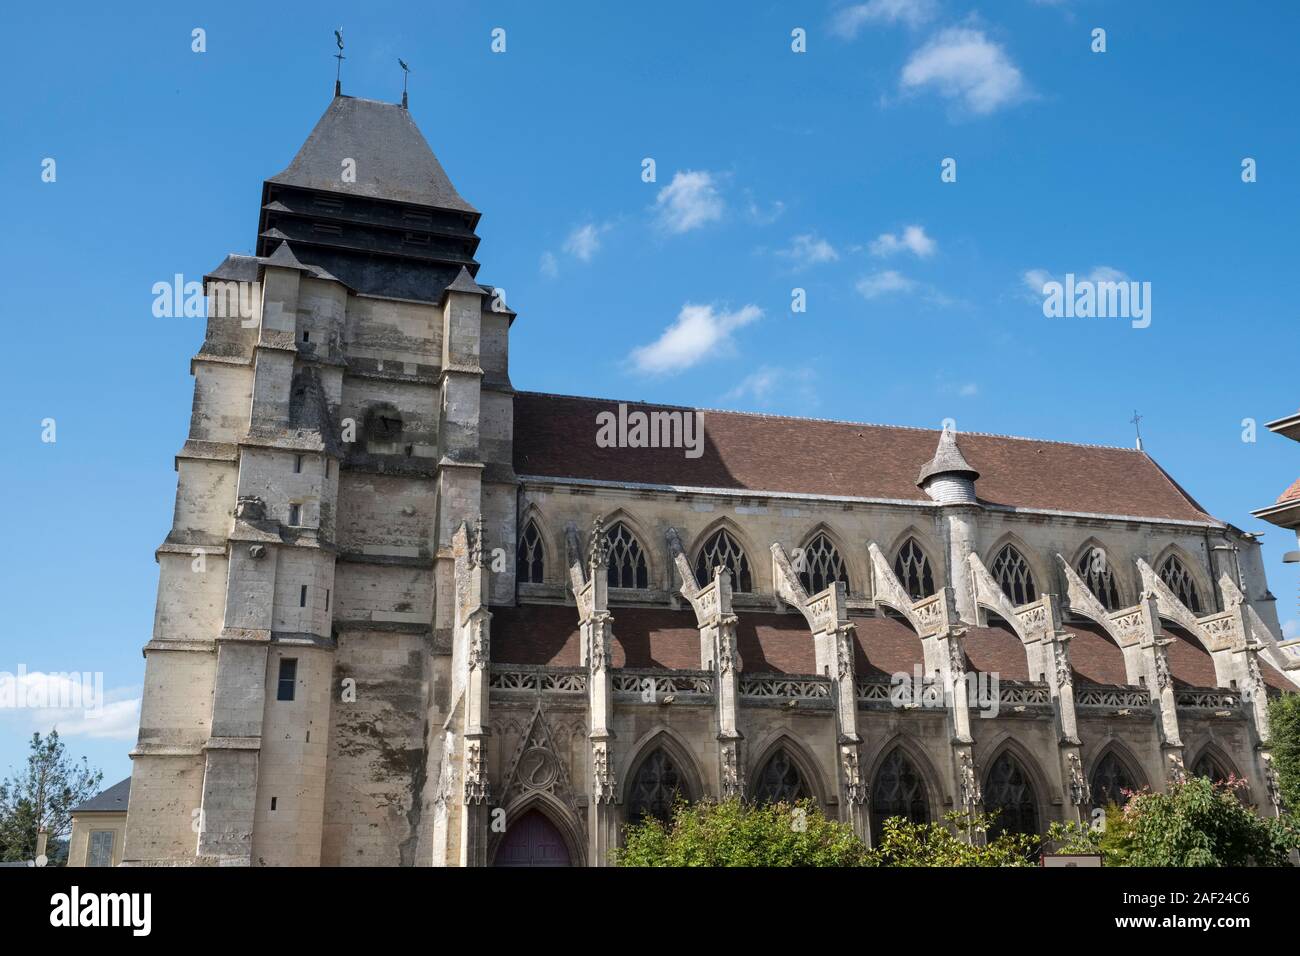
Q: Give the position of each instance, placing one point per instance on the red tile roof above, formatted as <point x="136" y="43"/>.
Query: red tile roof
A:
<point x="653" y="637"/>
<point x="1291" y="494"/>
<point x="555" y="436"/>
<point x="886" y="646"/>
<point x="1189" y="662"/>
<point x="997" y="650"/>
<point x="1095" y="658"/>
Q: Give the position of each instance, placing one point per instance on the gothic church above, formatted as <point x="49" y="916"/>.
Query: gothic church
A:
<point x="409" y="615"/>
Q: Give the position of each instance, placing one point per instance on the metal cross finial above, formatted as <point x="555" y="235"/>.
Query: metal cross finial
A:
<point x="1136" y="421"/>
<point x="338" y="72"/>
<point x="406" y="73"/>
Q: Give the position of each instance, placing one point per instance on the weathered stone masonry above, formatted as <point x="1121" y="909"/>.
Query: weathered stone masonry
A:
<point x="348" y="666"/>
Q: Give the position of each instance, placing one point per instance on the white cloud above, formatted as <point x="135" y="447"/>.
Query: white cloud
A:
<point x="1035" y="279"/>
<point x="809" y="250"/>
<point x="690" y="201"/>
<point x="584" y="242"/>
<point x="914" y="13"/>
<point x="550" y="266"/>
<point x="697" y="331"/>
<point x="119" y="720"/>
<point x="969" y="390"/>
<point x="884" y="283"/>
<point x="961" y="63"/>
<point x="913" y="240"/>
<point x="767" y="383"/>
<point x="74" y="703"/>
<point x="1291" y="630"/>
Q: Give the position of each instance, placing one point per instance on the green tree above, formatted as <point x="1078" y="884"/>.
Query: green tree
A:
<point x="904" y="843"/>
<point x="1284" y="728"/>
<point x="1197" y="823"/>
<point x="42" y="795"/>
<point x="734" y="833"/>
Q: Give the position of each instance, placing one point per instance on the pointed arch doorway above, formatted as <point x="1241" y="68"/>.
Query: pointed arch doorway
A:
<point x="533" y="840"/>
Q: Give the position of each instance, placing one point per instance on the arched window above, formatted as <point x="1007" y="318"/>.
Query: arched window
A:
<point x="1109" y="781"/>
<point x="627" y="564"/>
<point x="1095" y="570"/>
<point x="529" y="565"/>
<point x="1009" y="791"/>
<point x="780" y="781"/>
<point x="898" y="791"/>
<point x="1180" y="581"/>
<point x="820" y="566"/>
<point x="913" y="570"/>
<point x="723" y="550"/>
<point x="655" y="788"/>
<point x="1011" y="571"/>
<point x="1207" y="765"/>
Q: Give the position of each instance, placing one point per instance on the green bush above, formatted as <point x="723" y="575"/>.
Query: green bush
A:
<point x="1197" y="823"/>
<point x="735" y="833"/>
<point x="942" y="844"/>
<point x="1284" y="728"/>
<point x="742" y="834"/>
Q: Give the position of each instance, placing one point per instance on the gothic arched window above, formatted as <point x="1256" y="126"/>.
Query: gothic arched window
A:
<point x="780" y="781"/>
<point x="1009" y="791"/>
<point x="1011" y="571"/>
<point x="1180" y="581"/>
<point x="913" y="570"/>
<point x="1095" y="571"/>
<point x="723" y="550"/>
<point x="529" y="565"/>
<point x="898" y="791"/>
<point x="820" y="566"/>
<point x="1207" y="765"/>
<point x="1109" y="781"/>
<point x="627" y="564"/>
<point x="655" y="788"/>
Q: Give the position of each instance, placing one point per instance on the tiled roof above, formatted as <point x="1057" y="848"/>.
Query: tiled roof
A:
<point x="886" y="646"/>
<point x="652" y="637"/>
<point x="996" y="650"/>
<point x="555" y="436"/>
<point x="1095" y="658"/>
<point x="1191" y="665"/>
<point x="1291" y="494"/>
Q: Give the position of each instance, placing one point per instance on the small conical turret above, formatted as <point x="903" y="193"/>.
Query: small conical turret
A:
<point x="947" y="477"/>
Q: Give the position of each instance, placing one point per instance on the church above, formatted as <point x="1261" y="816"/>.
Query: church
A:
<point x="411" y="615"/>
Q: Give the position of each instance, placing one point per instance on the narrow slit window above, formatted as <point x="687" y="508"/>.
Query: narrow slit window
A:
<point x="295" y="515"/>
<point x="327" y="599"/>
<point x="287" y="683"/>
<point x="302" y="596"/>
<point x="297" y="464"/>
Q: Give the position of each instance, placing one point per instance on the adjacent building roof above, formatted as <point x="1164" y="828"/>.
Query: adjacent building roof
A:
<point x="112" y="800"/>
<point x="555" y="436"/>
<point x="393" y="160"/>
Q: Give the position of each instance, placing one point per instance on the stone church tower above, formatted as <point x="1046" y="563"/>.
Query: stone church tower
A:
<point x="409" y="616"/>
<point x="341" y="432"/>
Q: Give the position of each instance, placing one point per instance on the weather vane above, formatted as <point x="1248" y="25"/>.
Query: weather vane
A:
<point x="338" y="72"/>
<point x="406" y="73"/>
<point x="1136" y="421"/>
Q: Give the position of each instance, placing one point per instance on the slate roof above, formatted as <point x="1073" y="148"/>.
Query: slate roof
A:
<point x="555" y="436"/>
<point x="393" y="160"/>
<point x="112" y="800"/>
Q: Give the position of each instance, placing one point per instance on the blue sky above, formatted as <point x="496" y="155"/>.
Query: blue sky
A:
<point x="774" y="170"/>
